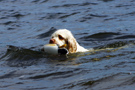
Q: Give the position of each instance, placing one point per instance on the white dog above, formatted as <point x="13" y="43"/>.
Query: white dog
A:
<point x="65" y="37"/>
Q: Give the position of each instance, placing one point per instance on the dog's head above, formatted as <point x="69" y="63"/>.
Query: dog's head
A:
<point x="62" y="37"/>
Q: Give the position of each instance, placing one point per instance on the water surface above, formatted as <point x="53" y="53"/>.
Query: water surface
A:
<point x="105" y="25"/>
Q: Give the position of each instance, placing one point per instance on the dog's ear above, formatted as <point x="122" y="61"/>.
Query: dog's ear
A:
<point x="72" y="45"/>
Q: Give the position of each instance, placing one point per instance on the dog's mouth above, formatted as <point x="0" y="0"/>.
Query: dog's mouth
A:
<point x="63" y="46"/>
<point x="52" y="43"/>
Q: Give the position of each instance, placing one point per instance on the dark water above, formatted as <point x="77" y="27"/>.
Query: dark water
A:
<point x="105" y="25"/>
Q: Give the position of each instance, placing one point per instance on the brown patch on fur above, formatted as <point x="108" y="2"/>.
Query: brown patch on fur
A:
<point x="72" y="47"/>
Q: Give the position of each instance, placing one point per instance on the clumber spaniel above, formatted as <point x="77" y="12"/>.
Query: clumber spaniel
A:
<point x="64" y="37"/>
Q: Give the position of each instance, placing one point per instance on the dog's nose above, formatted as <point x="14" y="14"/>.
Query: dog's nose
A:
<point x="52" y="41"/>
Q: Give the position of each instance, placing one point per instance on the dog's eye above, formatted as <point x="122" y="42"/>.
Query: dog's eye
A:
<point x="60" y="37"/>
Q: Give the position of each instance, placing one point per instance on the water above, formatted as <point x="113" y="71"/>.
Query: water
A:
<point x="105" y="25"/>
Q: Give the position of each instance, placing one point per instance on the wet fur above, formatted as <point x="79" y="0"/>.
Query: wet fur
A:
<point x="64" y="36"/>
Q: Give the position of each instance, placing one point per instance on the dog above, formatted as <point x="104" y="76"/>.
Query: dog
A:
<point x="63" y="37"/>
